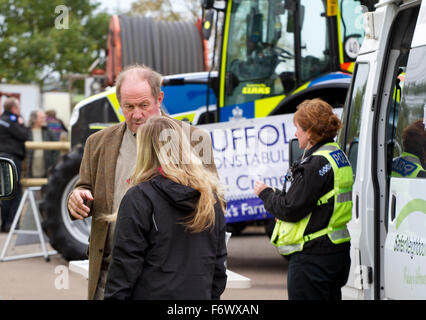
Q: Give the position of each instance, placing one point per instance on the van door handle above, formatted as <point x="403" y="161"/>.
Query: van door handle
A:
<point x="356" y="206"/>
<point x="393" y="208"/>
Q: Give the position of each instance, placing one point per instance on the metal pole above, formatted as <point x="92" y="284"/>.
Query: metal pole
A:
<point x="27" y="194"/>
<point x="14" y="223"/>
<point x="37" y="221"/>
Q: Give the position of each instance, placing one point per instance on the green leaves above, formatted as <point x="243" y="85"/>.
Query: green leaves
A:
<point x="32" y="47"/>
<point x="163" y="10"/>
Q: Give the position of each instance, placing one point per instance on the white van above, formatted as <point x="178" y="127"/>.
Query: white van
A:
<point x="384" y="137"/>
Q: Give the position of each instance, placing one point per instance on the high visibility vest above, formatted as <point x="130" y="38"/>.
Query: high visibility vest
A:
<point x="407" y="165"/>
<point x="289" y="237"/>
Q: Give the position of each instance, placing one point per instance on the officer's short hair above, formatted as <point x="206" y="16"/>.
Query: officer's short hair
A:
<point x="10" y="103"/>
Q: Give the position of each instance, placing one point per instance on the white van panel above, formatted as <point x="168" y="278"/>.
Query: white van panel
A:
<point x="362" y="229"/>
<point x="405" y="246"/>
<point x="419" y="38"/>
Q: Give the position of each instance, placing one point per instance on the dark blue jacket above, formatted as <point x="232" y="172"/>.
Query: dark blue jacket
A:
<point x="12" y="136"/>
<point x="313" y="177"/>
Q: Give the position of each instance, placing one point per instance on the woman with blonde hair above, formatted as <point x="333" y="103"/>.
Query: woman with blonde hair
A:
<point x="169" y="239"/>
<point x="312" y="215"/>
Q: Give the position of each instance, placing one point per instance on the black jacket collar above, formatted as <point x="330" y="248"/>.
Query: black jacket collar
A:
<point x="8" y="113"/>
<point x="317" y="146"/>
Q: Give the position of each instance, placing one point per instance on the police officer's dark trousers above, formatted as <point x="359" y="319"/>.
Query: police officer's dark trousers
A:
<point x="317" y="276"/>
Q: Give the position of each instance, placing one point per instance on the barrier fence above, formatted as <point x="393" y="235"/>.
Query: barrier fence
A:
<point x="43" y="145"/>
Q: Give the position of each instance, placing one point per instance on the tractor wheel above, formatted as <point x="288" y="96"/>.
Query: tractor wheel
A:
<point x="69" y="238"/>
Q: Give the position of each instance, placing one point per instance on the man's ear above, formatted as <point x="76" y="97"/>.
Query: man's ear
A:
<point x="160" y="97"/>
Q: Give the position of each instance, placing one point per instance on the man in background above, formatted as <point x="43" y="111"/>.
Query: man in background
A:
<point x="55" y="125"/>
<point x="40" y="161"/>
<point x="13" y="135"/>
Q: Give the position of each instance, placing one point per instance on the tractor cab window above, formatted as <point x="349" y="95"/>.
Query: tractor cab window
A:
<point x="315" y="53"/>
<point x="260" y="50"/>
<point x="351" y="28"/>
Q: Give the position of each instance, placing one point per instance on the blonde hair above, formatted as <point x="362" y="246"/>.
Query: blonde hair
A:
<point x="161" y="142"/>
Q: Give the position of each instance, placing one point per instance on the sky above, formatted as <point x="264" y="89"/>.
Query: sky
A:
<point x="119" y="6"/>
<point x="115" y="6"/>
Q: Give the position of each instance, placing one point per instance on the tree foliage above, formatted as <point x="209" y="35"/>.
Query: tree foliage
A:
<point x="35" y="46"/>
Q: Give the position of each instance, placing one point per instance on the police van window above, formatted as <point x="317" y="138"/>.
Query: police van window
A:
<point x="348" y="140"/>
<point x="409" y="152"/>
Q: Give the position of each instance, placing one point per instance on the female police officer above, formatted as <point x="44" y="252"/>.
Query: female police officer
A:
<point x="312" y="216"/>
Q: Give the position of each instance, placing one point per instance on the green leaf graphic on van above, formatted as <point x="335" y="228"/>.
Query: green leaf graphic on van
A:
<point x="416" y="205"/>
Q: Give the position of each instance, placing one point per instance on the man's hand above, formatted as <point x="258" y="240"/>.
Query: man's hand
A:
<point x="259" y="186"/>
<point x="76" y="203"/>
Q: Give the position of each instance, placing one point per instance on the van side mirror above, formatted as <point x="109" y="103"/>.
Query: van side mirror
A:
<point x="207" y="4"/>
<point x="294" y="151"/>
<point x="288" y="80"/>
<point x="231" y="81"/>
<point x="8" y="179"/>
<point x="208" y="24"/>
